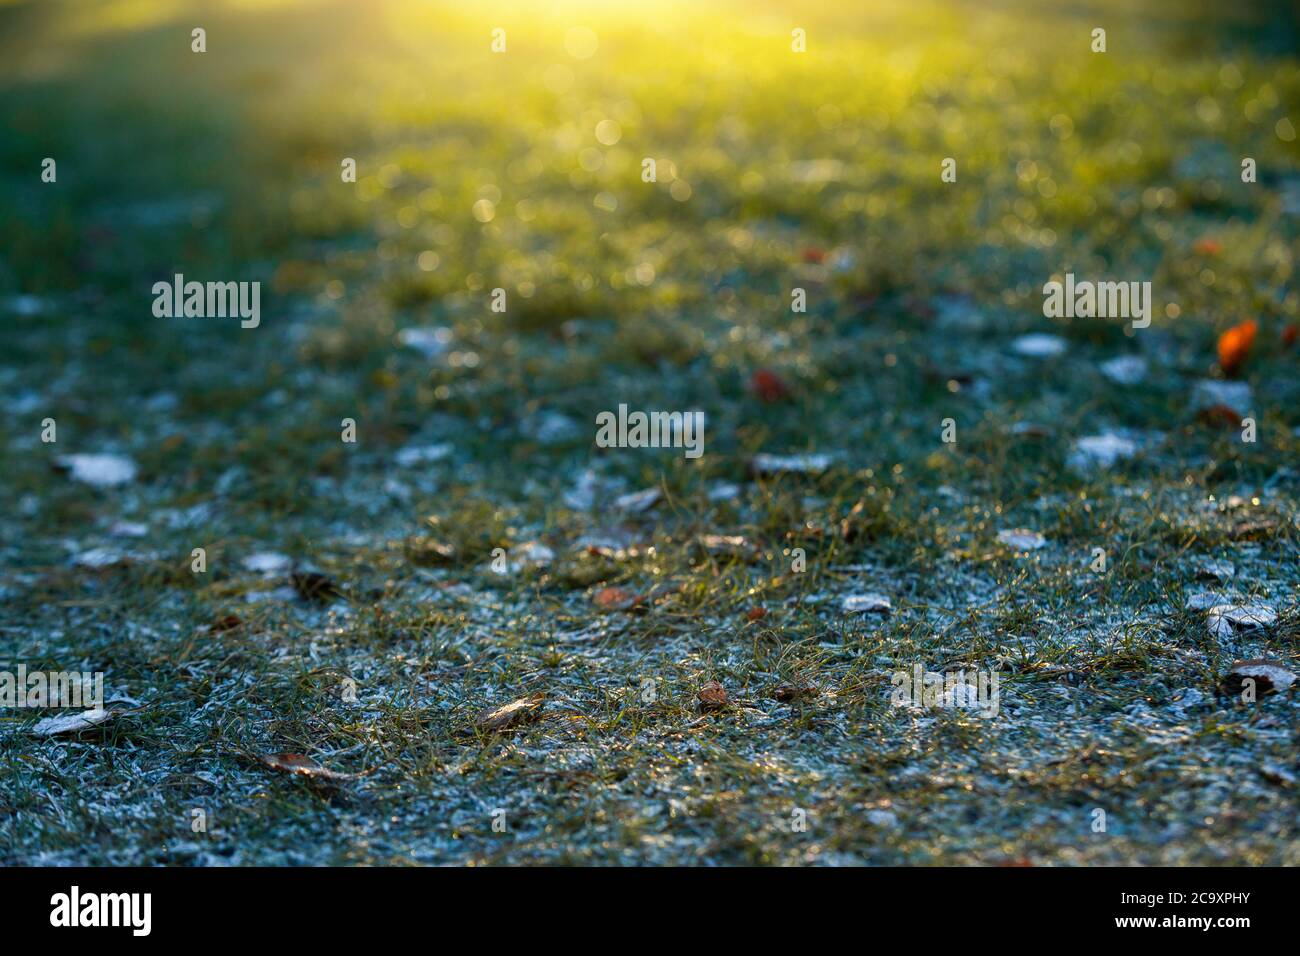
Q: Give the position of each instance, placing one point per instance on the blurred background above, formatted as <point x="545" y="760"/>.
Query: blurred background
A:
<point x="522" y="170"/>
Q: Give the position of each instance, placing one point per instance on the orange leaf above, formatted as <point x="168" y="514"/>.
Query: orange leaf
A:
<point x="1207" y="247"/>
<point x="1289" y="334"/>
<point x="1234" y="345"/>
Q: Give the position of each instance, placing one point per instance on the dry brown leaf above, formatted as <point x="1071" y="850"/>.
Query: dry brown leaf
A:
<point x="713" y="696"/>
<point x="300" y="765"/>
<point x="617" y="599"/>
<point x="228" y="622"/>
<point x="790" y="693"/>
<point x="1268" y="674"/>
<point x="510" y="715"/>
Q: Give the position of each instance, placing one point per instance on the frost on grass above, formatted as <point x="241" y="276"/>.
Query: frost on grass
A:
<point x="699" y="680"/>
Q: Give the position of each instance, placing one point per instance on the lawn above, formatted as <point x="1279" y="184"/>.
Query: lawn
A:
<point x="406" y="521"/>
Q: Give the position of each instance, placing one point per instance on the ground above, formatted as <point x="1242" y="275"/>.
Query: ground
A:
<point x="475" y="430"/>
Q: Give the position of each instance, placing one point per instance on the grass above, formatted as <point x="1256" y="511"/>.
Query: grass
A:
<point x="522" y="171"/>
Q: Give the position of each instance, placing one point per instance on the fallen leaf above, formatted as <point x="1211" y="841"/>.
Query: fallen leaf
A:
<point x="71" y="723"/>
<point x="267" y="562"/>
<point x="1210" y="393"/>
<point x="99" y="558"/>
<point x="756" y="614"/>
<point x="1224" y="620"/>
<point x="870" y="603"/>
<point x="1022" y="539"/>
<point x="300" y="765"/>
<point x="768" y="386"/>
<point x="617" y="545"/>
<point x="1207" y="246"/>
<point x="1275" y="774"/>
<point x="1253" y="530"/>
<point x="638" y="501"/>
<point x="510" y="715"/>
<point x="413" y="455"/>
<point x="1204" y="600"/>
<point x="1268" y="674"/>
<point x="1125" y="369"/>
<point x="791" y="693"/>
<point x="1039" y="345"/>
<point x="531" y="554"/>
<point x="228" y="622"/>
<point x="1234" y="345"/>
<point x="1100" y="451"/>
<point x="429" y="342"/>
<point x="1290" y="332"/>
<point x="617" y="599"/>
<point x="1216" y="570"/>
<point x="102" y="471"/>
<point x="765" y="464"/>
<point x="883" y="818"/>
<point x="727" y="545"/>
<point x="712" y="697"/>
